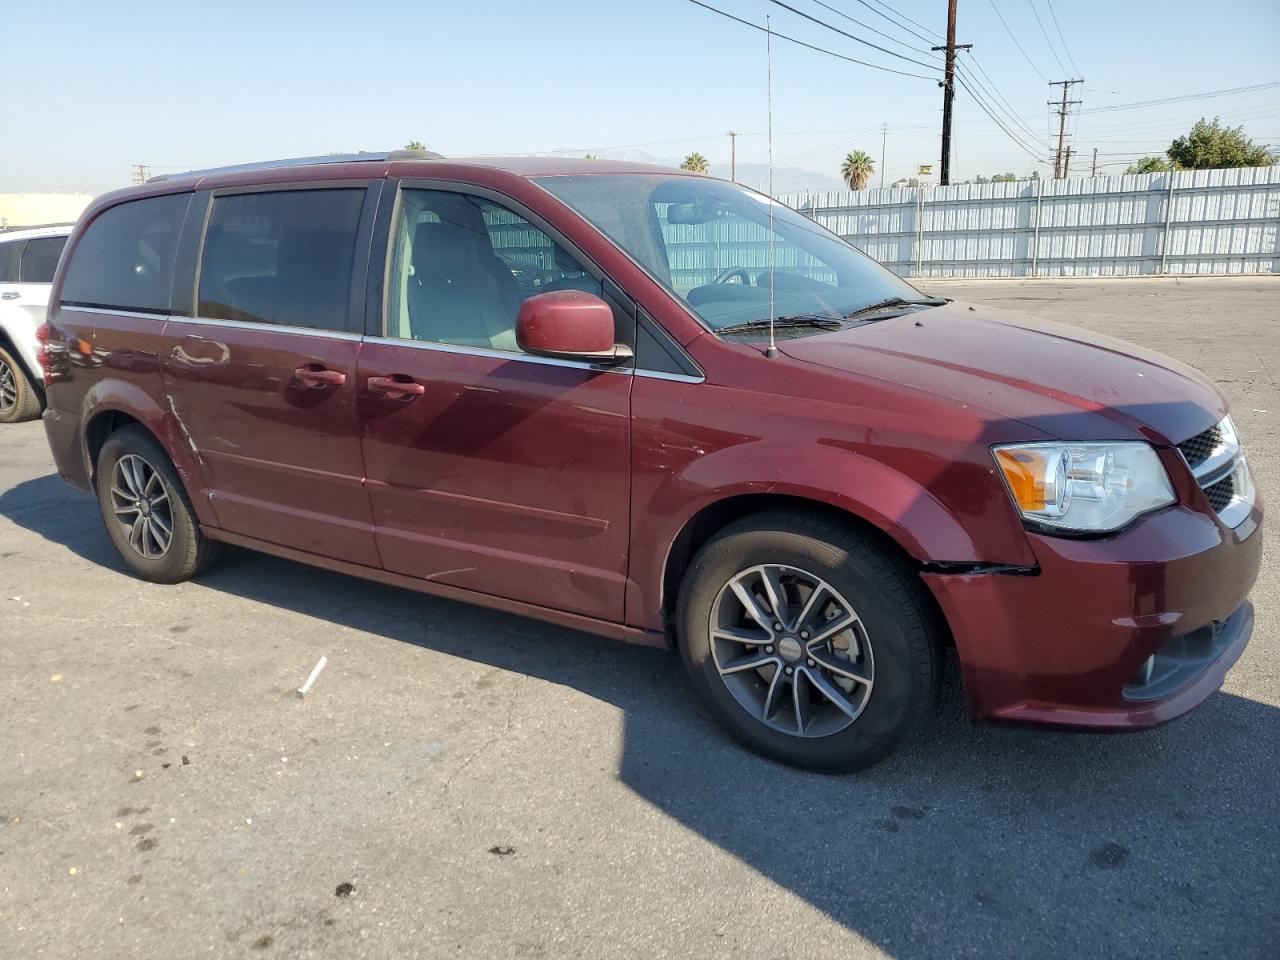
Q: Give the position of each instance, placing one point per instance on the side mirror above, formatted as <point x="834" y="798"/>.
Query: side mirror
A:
<point x="569" y="325"/>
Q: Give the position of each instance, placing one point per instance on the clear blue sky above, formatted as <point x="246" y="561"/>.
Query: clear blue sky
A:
<point x="103" y="85"/>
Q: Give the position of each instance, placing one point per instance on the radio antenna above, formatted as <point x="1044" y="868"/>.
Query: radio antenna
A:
<point x="773" y="255"/>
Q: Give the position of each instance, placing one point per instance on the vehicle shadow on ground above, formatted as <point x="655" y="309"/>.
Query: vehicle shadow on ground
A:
<point x="968" y="841"/>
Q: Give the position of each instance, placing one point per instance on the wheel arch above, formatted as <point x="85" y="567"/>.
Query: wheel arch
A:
<point x="714" y="517"/>
<point x="10" y="346"/>
<point x="111" y="405"/>
<point x="99" y="427"/>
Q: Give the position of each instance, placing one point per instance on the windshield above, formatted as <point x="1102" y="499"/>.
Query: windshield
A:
<point x="709" y="243"/>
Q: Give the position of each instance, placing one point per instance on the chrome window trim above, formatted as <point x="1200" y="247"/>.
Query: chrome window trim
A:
<point x="673" y="377"/>
<point x="497" y="354"/>
<point x="272" y="328"/>
<point x="395" y="342"/>
<point x="113" y="312"/>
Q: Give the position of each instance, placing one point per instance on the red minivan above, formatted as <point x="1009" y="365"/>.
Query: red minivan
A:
<point x="664" y="408"/>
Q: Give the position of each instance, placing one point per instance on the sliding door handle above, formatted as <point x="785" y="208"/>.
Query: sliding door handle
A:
<point x="398" y="385"/>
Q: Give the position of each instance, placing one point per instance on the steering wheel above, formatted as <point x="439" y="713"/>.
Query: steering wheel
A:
<point x="726" y="275"/>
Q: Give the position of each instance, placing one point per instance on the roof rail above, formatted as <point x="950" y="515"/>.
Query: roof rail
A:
<point x="304" y="162"/>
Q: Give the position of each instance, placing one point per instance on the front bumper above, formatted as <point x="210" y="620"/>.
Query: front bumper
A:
<point x="1060" y="646"/>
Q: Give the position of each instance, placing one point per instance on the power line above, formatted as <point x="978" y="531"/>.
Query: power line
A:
<point x="996" y="120"/>
<point x="844" y="33"/>
<point x="1189" y="96"/>
<point x="1056" y="26"/>
<point x="900" y="26"/>
<point x="1030" y="62"/>
<point x="899" y="13"/>
<point x="1044" y="33"/>
<point x="879" y="33"/>
<point x="990" y="89"/>
<point x="810" y="46"/>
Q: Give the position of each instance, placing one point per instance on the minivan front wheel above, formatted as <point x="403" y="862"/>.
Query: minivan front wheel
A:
<point x="19" y="399"/>
<point x="808" y="640"/>
<point x="146" y="510"/>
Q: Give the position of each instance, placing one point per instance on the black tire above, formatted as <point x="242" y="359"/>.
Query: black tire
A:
<point x="189" y="552"/>
<point x="21" y="399"/>
<point x="901" y="629"/>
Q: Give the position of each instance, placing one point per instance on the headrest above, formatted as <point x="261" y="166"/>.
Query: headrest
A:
<point x="444" y="248"/>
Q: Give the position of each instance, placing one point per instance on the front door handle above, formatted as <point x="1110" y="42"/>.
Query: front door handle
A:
<point x="318" y="376"/>
<point x="397" y="385"/>
<point x="10" y="295"/>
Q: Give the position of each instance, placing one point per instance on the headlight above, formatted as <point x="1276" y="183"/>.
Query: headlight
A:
<point x="1084" y="487"/>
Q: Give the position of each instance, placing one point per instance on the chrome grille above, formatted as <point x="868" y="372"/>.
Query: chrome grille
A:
<point x="1217" y="461"/>
<point x="1200" y="447"/>
<point x="1220" y="493"/>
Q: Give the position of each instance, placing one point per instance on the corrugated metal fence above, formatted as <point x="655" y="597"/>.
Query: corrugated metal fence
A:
<point x="1189" y="222"/>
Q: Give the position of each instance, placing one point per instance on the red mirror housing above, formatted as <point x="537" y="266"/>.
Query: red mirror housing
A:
<point x="568" y="324"/>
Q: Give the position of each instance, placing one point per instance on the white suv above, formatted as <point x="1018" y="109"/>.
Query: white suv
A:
<point x="27" y="260"/>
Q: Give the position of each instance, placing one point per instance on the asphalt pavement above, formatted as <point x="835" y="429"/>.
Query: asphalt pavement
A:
<point x="462" y="783"/>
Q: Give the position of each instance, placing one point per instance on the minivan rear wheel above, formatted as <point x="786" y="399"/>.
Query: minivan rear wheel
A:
<point x="808" y="640"/>
<point x="19" y="398"/>
<point x="146" y="510"/>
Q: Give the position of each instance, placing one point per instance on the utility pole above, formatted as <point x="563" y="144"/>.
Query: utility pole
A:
<point x="1094" y="171"/>
<point x="733" y="156"/>
<point x="140" y="172"/>
<point x="884" y="139"/>
<point x="1059" y="170"/>
<point x="1066" y="163"/>
<point x="948" y="89"/>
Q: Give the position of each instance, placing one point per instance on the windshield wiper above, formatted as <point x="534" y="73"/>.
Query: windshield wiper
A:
<point x="890" y="303"/>
<point x="820" y="321"/>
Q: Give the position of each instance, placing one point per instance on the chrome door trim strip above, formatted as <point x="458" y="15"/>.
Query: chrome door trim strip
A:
<point x="673" y="377"/>
<point x="391" y="342"/>
<point x="271" y="328"/>
<point x="111" y="312"/>
<point x="495" y="354"/>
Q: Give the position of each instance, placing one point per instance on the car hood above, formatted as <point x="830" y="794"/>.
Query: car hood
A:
<point x="1060" y="380"/>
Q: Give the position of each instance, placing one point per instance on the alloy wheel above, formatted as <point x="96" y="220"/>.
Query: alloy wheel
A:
<point x="140" y="503"/>
<point x="791" y="650"/>
<point x="8" y="388"/>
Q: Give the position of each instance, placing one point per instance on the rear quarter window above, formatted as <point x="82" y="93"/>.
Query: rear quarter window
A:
<point x="40" y="259"/>
<point x="10" y="254"/>
<point x="124" y="259"/>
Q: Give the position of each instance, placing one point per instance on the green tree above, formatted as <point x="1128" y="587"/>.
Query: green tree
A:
<point x="1148" y="165"/>
<point x="857" y="169"/>
<point x="415" y="145"/>
<point x="1004" y="178"/>
<point x="695" y="163"/>
<point x="590" y="156"/>
<point x="1211" y="146"/>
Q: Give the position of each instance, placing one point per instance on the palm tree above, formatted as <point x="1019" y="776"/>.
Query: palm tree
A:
<point x="695" y="163"/>
<point x="857" y="169"/>
<point x="415" y="145"/>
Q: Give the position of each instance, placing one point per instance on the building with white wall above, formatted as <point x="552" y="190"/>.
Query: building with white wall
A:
<point x="37" y="209"/>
